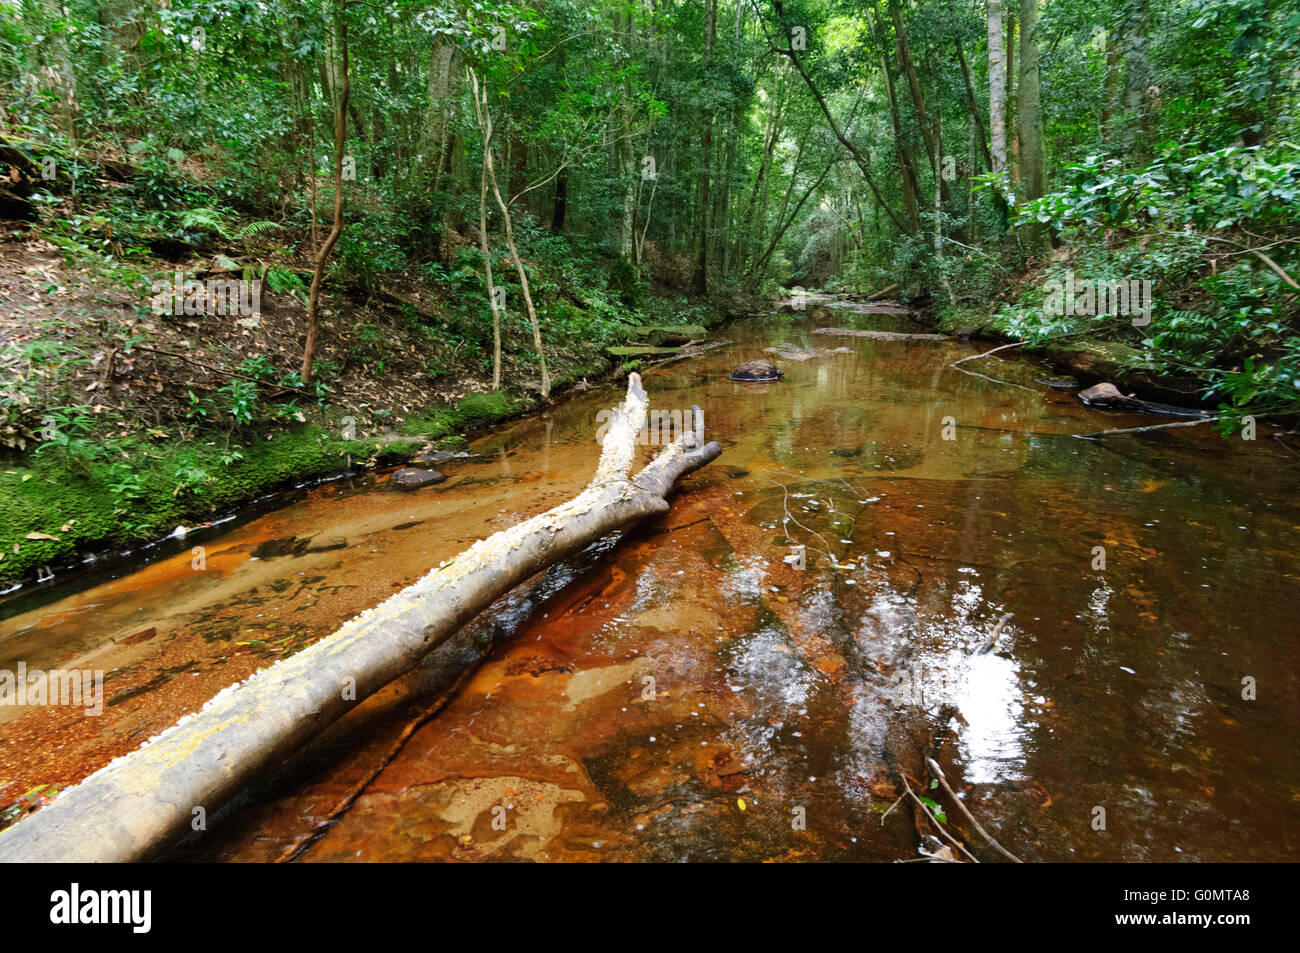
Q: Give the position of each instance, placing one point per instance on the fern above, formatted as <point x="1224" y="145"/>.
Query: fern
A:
<point x="207" y="219"/>
<point x="282" y="279"/>
<point x="254" y="229"/>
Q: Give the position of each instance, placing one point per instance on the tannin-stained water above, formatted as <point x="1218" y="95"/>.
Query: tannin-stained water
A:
<point x="686" y="692"/>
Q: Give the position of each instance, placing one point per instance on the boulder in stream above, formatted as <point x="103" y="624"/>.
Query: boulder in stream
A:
<point x="411" y="478"/>
<point x="757" y="370"/>
<point x="1107" y="394"/>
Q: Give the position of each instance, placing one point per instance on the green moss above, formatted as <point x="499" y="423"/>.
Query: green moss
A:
<point x="122" y="492"/>
<point x="479" y="409"/>
<point x="453" y="443"/>
<point x="141" y="490"/>
<point x="642" y="351"/>
<point x="474" y="410"/>
<point x="432" y="425"/>
<point x="657" y="333"/>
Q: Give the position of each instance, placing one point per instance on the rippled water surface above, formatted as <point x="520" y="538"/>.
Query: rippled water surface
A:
<point x="687" y="693"/>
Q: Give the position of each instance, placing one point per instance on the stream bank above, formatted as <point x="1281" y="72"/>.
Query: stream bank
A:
<point x="119" y="434"/>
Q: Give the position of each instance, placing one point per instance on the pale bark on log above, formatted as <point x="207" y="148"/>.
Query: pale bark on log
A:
<point x="140" y="803"/>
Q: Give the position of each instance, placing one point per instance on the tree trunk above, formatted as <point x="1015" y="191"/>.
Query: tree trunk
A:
<point x="1013" y="140"/>
<point x="60" y="75"/>
<point x="700" y="281"/>
<point x="746" y="240"/>
<point x="1033" y="160"/>
<point x="977" y="120"/>
<point x="323" y="256"/>
<point x="914" y="86"/>
<point x="560" y="207"/>
<point x="938" y="216"/>
<point x="485" y="123"/>
<point x="1110" y="89"/>
<point x="137" y="805"/>
<point x="858" y="158"/>
<point x="1137" y="78"/>
<point x="997" y="88"/>
<point x="487" y="268"/>
<point x="906" y="166"/>
<point x="784" y="223"/>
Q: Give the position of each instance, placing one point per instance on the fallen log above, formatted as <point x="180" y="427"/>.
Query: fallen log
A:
<point x="881" y="335"/>
<point x="140" y="803"/>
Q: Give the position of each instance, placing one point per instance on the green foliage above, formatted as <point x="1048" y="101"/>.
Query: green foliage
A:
<point x="280" y="279"/>
<point x="366" y="255"/>
<point x="240" y="398"/>
<point x="624" y="282"/>
<point x="1219" y="189"/>
<point x="369" y="343"/>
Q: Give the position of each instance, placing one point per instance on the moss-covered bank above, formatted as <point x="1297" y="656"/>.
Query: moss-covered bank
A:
<point x="96" y="496"/>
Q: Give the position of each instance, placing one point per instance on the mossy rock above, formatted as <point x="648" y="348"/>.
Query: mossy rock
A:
<point x="661" y="335"/>
<point x="1097" y="360"/>
<point x="642" y="351"/>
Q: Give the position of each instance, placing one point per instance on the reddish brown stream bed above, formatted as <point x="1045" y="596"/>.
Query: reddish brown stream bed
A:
<point x="685" y="693"/>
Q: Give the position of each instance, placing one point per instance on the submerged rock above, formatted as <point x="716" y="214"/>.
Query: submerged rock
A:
<point x="1057" y="383"/>
<point x="791" y="352"/>
<point x="410" y="478"/>
<point x="434" y="456"/>
<point x="757" y="370"/>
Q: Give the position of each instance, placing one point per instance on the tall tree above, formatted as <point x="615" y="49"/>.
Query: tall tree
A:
<point x="1029" y="126"/>
<point x="997" y="89"/>
<point x="700" y="280"/>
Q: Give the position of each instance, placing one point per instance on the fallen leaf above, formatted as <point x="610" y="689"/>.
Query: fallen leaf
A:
<point x="41" y="536"/>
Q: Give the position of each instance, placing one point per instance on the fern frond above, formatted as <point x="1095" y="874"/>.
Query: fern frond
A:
<point x="208" y="219"/>
<point x="254" y="229"/>
<point x="282" y="279"/>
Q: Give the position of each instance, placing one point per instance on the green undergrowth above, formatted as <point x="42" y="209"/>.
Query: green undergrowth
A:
<point x="90" y="494"/>
<point x="139" y="490"/>
<point x="1208" y="238"/>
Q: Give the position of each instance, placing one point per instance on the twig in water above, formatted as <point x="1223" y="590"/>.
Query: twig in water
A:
<point x="305" y="840"/>
<point x="1285" y="445"/>
<point x="785" y="496"/>
<point x="997" y="630"/>
<point x="976" y="357"/>
<point x="891" y="809"/>
<point x="943" y="782"/>
<point x="996" y="380"/>
<point x="1181" y="423"/>
<point x="935" y="858"/>
<point x="924" y="807"/>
